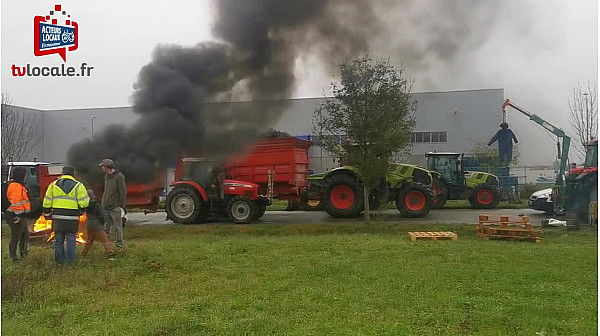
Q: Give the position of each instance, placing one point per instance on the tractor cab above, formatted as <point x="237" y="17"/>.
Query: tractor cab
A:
<point x="203" y="172"/>
<point x="591" y="161"/>
<point x="448" y="165"/>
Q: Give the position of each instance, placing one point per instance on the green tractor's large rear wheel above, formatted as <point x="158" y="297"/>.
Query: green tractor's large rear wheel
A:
<point x="485" y="197"/>
<point x="342" y="196"/>
<point x="414" y="200"/>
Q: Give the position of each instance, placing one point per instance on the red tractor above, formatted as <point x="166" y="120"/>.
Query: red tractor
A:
<point x="201" y="190"/>
<point x="243" y="187"/>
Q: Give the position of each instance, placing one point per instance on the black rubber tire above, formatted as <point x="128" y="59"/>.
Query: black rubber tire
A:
<point x="347" y="180"/>
<point x="440" y="200"/>
<point x="293" y="206"/>
<point x="261" y="211"/>
<point x="401" y="200"/>
<point x="242" y="210"/>
<point x="495" y="192"/>
<point x="199" y="213"/>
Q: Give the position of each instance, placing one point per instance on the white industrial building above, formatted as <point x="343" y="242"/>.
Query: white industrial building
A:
<point x="446" y="121"/>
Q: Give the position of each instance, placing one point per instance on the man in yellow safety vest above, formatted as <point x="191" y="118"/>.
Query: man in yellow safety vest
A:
<point x="65" y="200"/>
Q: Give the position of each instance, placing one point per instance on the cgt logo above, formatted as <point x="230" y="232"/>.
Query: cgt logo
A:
<point x="55" y="33"/>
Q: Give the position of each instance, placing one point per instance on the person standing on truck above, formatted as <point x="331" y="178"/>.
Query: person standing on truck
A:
<point x="16" y="213"/>
<point x="96" y="218"/>
<point x="65" y="200"/>
<point x="114" y="199"/>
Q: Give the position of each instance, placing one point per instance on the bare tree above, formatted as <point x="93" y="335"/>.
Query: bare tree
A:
<point x="19" y="135"/>
<point x="583" y="108"/>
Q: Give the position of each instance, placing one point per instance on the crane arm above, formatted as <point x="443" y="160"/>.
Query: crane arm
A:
<point x="563" y="154"/>
<point x="555" y="130"/>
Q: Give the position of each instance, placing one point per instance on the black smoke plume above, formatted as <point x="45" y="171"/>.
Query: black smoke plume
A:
<point x="260" y="42"/>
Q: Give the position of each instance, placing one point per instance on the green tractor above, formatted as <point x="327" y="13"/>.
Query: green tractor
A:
<point x="408" y="185"/>
<point x="452" y="182"/>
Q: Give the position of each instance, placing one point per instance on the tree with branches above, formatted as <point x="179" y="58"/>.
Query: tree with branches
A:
<point x="583" y="107"/>
<point x="19" y="135"/>
<point x="369" y="119"/>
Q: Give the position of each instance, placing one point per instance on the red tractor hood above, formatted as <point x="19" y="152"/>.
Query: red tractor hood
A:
<point x="236" y="183"/>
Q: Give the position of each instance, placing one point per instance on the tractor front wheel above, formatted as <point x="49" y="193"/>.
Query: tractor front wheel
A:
<point x="242" y="210"/>
<point x="343" y="196"/>
<point x="485" y="197"/>
<point x="414" y="200"/>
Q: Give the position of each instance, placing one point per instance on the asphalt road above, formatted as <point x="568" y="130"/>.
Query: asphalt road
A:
<point x="450" y="216"/>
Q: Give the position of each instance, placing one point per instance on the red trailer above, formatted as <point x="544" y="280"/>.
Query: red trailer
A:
<point x="286" y="158"/>
<point x="243" y="187"/>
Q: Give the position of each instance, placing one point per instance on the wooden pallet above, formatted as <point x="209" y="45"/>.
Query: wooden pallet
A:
<point x="506" y="227"/>
<point x="505" y="231"/>
<point x="432" y="235"/>
<point x="512" y="238"/>
<point x="504" y="221"/>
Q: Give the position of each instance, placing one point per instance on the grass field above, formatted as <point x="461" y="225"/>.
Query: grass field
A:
<point x="309" y="279"/>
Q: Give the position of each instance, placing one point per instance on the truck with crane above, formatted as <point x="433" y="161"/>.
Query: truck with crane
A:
<point x="574" y="188"/>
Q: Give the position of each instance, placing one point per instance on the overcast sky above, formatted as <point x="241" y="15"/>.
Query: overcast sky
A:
<point x="536" y="50"/>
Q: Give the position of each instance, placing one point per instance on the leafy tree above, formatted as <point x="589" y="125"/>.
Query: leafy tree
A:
<point x="369" y="119"/>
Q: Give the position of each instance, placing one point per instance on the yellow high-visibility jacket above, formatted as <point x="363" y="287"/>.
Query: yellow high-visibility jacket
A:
<point x="65" y="198"/>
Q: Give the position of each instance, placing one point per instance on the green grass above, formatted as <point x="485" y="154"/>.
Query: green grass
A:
<point x="309" y="279"/>
<point x="277" y="205"/>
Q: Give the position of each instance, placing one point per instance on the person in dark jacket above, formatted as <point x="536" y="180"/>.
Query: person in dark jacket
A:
<point x="96" y="217"/>
<point x="114" y="199"/>
<point x="17" y="212"/>
<point x="65" y="200"/>
<point x="505" y="138"/>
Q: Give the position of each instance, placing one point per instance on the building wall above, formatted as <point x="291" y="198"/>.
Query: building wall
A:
<point x="63" y="128"/>
<point x="466" y="117"/>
